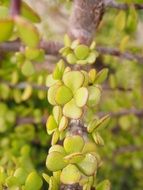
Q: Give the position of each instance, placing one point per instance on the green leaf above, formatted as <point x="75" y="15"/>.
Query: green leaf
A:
<point x="12" y="181"/>
<point x="57" y="148"/>
<point x="29" y="13"/>
<point x="73" y="80"/>
<point x="81" y="96"/>
<point x="51" y="124"/>
<point x="52" y="93"/>
<point x="104" y="185"/>
<point x="88" y="165"/>
<point x="92" y="57"/>
<point x="70" y="175"/>
<point x="63" y="123"/>
<point x="63" y="95"/>
<point x="57" y="113"/>
<point x="71" y="58"/>
<point x="81" y="51"/>
<point x="120" y="20"/>
<point x="71" y="142"/>
<point x="27" y="32"/>
<point x="94" y="96"/>
<point x="74" y="158"/>
<point x="55" y="161"/>
<point x="6" y="29"/>
<point x="33" y="181"/>
<point x="97" y="138"/>
<point x="50" y="81"/>
<point x="101" y="76"/>
<point x="59" y="70"/>
<point x="3" y="12"/>
<point x="21" y="174"/>
<point x="92" y="125"/>
<point x="67" y="40"/>
<point x="27" y="68"/>
<point x="71" y="110"/>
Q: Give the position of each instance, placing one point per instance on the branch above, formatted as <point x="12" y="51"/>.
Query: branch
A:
<point x="15" y="7"/>
<point x="127" y="149"/>
<point x="82" y="26"/>
<point x="117" y="53"/>
<point x="52" y="48"/>
<point x="137" y="112"/>
<point x="122" y="6"/>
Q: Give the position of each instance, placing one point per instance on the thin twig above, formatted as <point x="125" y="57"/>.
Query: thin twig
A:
<point x="137" y="112"/>
<point x="52" y="48"/>
<point x="123" y="6"/>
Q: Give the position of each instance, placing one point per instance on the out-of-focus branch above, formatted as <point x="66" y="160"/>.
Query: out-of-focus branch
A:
<point x="15" y="7"/>
<point x="122" y="6"/>
<point x="52" y="48"/>
<point x="117" y="53"/>
<point x="127" y="149"/>
<point x="137" y="112"/>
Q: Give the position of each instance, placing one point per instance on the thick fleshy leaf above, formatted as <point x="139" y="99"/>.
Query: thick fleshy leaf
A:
<point x="33" y="182"/>
<point x="81" y="96"/>
<point x="67" y="41"/>
<point x="53" y="185"/>
<point x="92" y="125"/>
<point x="104" y="185"/>
<point x="88" y="165"/>
<point x="94" y="96"/>
<point x="71" y="58"/>
<point x="50" y="81"/>
<point x="29" y="13"/>
<point x="74" y="158"/>
<point x="57" y="148"/>
<point x="12" y="182"/>
<point x="59" y="70"/>
<point x="63" y="123"/>
<point x="6" y="29"/>
<point x="101" y="76"/>
<point x="31" y="53"/>
<point x="89" y="147"/>
<point x="81" y="51"/>
<point x="73" y="80"/>
<point x="21" y="174"/>
<point x="71" y="110"/>
<point x="102" y="122"/>
<point x="3" y="12"/>
<point x="55" y="137"/>
<point x="51" y="124"/>
<point x="57" y="113"/>
<point x="27" y="32"/>
<point x="55" y="161"/>
<point x="27" y="68"/>
<point x="70" y="175"/>
<point x="97" y="138"/>
<point x="92" y="57"/>
<point x="86" y="78"/>
<point x="71" y="142"/>
<point x="92" y="75"/>
<point x="63" y="95"/>
<point x="52" y="93"/>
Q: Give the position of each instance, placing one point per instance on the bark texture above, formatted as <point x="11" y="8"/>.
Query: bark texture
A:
<point x="85" y="18"/>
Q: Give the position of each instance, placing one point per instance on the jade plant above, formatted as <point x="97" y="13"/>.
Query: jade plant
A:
<point x="74" y="95"/>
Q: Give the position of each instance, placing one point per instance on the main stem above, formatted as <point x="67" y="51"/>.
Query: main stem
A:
<point x="85" y="18"/>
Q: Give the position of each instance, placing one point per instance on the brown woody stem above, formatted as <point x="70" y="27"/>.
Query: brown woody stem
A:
<point x="86" y="16"/>
<point x="15" y="8"/>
